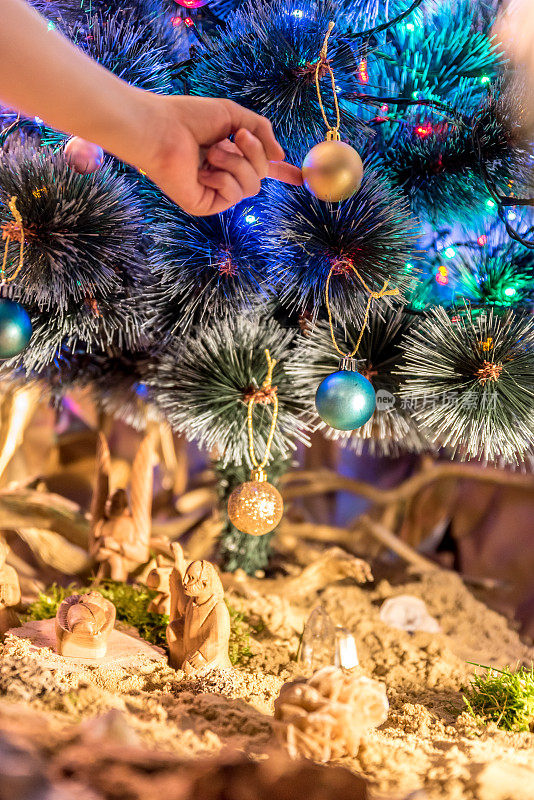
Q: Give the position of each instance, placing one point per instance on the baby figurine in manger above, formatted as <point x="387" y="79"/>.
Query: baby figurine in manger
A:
<point x="83" y="625"/>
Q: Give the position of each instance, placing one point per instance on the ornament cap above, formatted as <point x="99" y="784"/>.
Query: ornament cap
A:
<point x="348" y="364"/>
<point x="258" y="475"/>
<point x="332" y="135"/>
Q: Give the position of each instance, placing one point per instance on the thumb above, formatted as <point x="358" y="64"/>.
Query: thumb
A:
<point x="286" y="173"/>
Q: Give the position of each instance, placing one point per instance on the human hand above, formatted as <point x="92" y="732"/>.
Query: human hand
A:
<point x="185" y="149"/>
<point x="514" y="31"/>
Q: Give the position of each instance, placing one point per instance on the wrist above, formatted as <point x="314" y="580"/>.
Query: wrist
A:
<point x="122" y="123"/>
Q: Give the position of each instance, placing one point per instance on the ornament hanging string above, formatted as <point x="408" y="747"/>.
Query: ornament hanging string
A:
<point x="384" y="292"/>
<point x="333" y="130"/>
<point x="12" y="230"/>
<point x="269" y="391"/>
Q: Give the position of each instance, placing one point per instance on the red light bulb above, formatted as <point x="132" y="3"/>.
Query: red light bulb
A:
<point x="192" y="3"/>
<point x="482" y="240"/>
<point x="424" y="130"/>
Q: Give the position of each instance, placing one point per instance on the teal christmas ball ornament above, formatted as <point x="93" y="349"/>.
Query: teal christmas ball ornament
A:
<point x="15" y="328"/>
<point x="345" y="400"/>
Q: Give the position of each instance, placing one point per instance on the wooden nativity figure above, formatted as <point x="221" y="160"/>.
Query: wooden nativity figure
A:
<point x="120" y="529"/>
<point x="9" y="591"/>
<point x="199" y="630"/>
<point x="158" y="579"/>
<point x="83" y="625"/>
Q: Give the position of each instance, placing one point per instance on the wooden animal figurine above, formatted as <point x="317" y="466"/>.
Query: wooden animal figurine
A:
<point x="158" y="579"/>
<point x="9" y="591"/>
<point x="199" y="630"/>
<point x="83" y="625"/>
<point x="120" y="530"/>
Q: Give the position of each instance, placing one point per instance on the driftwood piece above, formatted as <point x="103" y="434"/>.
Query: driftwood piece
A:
<point x="392" y="542"/>
<point x="288" y="533"/>
<point x="331" y="566"/>
<point x="177" y="527"/>
<point x="55" y="551"/>
<point x="203" y="497"/>
<point x="28" y="508"/>
<point x="18" y="406"/>
<point x="309" y="484"/>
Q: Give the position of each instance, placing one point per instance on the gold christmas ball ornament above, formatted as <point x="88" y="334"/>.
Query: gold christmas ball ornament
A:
<point x="332" y="171"/>
<point x="255" y="507"/>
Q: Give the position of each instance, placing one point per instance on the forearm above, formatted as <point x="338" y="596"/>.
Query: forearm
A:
<point x="43" y="74"/>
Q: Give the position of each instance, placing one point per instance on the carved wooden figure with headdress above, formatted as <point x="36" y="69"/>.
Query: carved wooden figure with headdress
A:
<point x="120" y="528"/>
<point x="199" y="630"/>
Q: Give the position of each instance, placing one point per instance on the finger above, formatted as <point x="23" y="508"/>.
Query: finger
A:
<point x="224" y="183"/>
<point x="239" y="167"/>
<point x="259" y="126"/>
<point x="251" y="147"/>
<point x="286" y="173"/>
<point x="229" y="147"/>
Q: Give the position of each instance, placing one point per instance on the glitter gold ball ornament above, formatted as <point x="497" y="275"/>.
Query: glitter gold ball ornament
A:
<point x="255" y="507"/>
<point x="332" y="171"/>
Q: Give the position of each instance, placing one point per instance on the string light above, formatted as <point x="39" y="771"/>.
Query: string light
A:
<point x="482" y="240"/>
<point x="485" y="79"/>
<point x="490" y="203"/>
<point x="384" y="110"/>
<point x="189" y="22"/>
<point x="512" y="215"/>
<point x="298" y="13"/>
<point x="51" y="26"/>
<point x="250" y="218"/>
<point x="175" y="21"/>
<point x="424" y="130"/>
<point x="450" y="252"/>
<point x="442" y="276"/>
<point x="362" y="71"/>
<point x="510" y="291"/>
